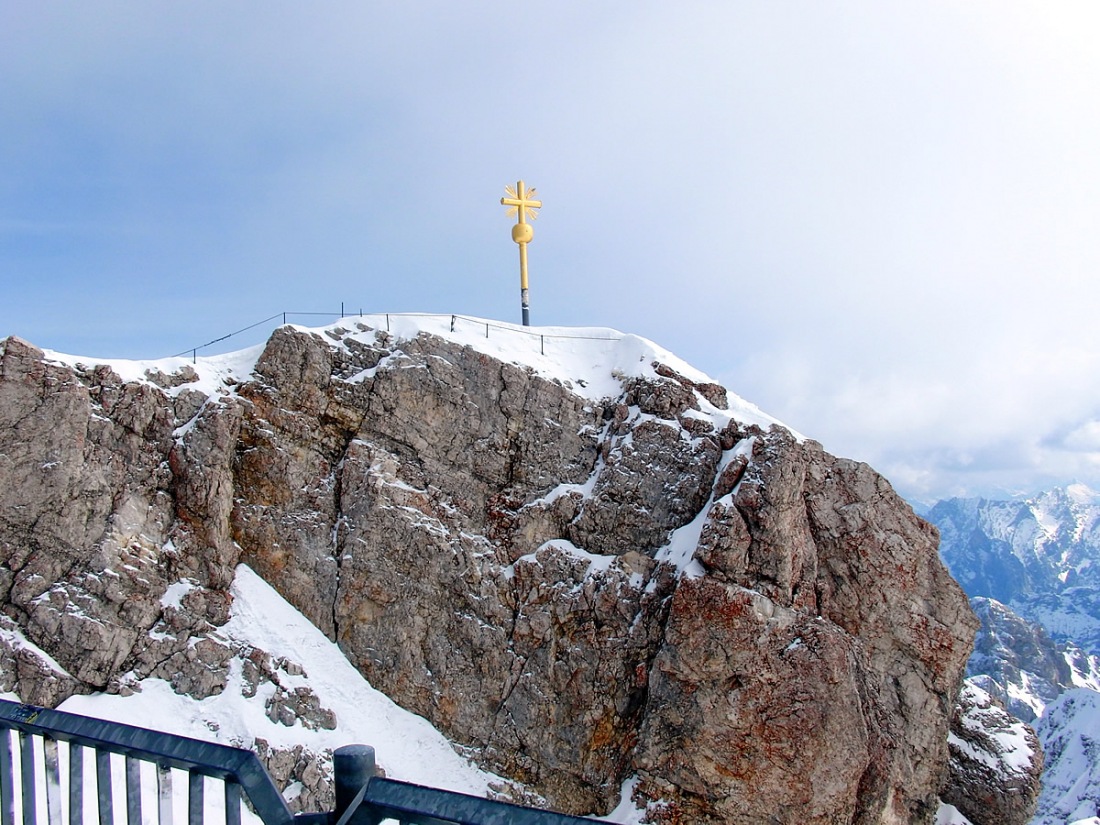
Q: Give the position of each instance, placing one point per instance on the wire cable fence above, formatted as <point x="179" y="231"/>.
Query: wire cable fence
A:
<point x="389" y="316"/>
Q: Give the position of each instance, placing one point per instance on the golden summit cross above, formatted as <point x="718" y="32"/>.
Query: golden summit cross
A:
<point x="521" y="202"/>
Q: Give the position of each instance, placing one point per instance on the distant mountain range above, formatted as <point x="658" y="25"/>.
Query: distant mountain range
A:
<point x="1031" y="568"/>
<point x="1040" y="556"/>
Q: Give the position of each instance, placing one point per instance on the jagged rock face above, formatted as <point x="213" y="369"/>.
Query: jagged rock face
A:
<point x="816" y="672"/>
<point x="1016" y="661"/>
<point x="996" y="762"/>
<point x="96" y="520"/>
<point x="578" y="590"/>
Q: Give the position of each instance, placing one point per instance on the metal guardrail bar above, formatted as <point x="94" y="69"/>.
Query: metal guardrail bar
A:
<point x="365" y="799"/>
<point x="419" y="805"/>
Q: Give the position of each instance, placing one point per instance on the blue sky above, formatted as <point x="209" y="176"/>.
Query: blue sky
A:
<point x="876" y="221"/>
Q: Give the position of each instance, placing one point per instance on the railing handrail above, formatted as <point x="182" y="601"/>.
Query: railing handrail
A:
<point x="166" y="749"/>
<point x="371" y="798"/>
<point x="409" y="803"/>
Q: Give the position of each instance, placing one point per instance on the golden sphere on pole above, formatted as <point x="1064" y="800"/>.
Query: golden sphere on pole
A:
<point x="523" y="233"/>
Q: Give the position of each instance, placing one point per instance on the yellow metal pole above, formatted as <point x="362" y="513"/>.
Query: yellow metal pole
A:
<point x="520" y="202"/>
<point x="524" y="295"/>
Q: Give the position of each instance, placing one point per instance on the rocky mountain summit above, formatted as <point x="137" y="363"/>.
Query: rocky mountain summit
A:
<point x="581" y="560"/>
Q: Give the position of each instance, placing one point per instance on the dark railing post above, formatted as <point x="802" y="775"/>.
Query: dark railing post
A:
<point x="352" y="768"/>
<point x="76" y="784"/>
<point x="196" y="797"/>
<point x="103" y="786"/>
<point x="7" y="789"/>
<point x="26" y="767"/>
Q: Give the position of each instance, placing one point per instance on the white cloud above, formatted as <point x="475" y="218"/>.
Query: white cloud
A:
<point x="1084" y="438"/>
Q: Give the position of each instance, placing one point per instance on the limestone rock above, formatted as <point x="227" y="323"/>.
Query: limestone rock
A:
<point x="754" y="707"/>
<point x="29" y="672"/>
<point x="305" y="776"/>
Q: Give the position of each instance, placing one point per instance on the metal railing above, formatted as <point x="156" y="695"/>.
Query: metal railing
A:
<point x="480" y="323"/>
<point x="361" y="797"/>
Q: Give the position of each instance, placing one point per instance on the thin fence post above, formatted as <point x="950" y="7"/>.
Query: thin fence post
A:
<point x="53" y="780"/>
<point x="195" y="800"/>
<point x="542" y="344"/>
<point x="76" y="784"/>
<point x="7" y="789"/>
<point x="103" y="786"/>
<point x="232" y="803"/>
<point x="452" y="323"/>
<point x="26" y="768"/>
<point x="133" y="791"/>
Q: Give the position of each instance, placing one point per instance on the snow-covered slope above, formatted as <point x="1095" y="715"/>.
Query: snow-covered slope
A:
<point x="407" y="746"/>
<point x="1070" y="732"/>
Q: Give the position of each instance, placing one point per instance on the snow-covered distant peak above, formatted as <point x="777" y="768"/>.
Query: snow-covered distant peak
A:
<point x="1073" y="510"/>
<point x="1082" y="494"/>
<point x="1075" y="497"/>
